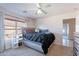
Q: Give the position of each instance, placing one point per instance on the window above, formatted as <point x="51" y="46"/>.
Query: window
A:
<point x="13" y="28"/>
<point x="10" y="29"/>
<point x="19" y="27"/>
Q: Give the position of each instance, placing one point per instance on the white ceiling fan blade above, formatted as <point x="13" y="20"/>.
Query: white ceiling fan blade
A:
<point x="38" y="5"/>
<point x="40" y="11"/>
<point x="43" y="11"/>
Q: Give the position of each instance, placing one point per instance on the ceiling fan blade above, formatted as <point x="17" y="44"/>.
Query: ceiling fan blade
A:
<point x="43" y="11"/>
<point x="38" y="5"/>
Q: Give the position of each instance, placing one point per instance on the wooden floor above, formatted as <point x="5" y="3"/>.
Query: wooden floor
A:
<point x="54" y="50"/>
<point x="59" y="50"/>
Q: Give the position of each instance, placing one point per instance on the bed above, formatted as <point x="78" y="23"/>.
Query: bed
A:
<point x="39" y="41"/>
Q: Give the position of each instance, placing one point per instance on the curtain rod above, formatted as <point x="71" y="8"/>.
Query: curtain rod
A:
<point x="14" y="16"/>
<point x="14" y="20"/>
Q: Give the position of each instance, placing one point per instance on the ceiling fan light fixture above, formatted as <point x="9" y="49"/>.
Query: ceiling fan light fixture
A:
<point x="39" y="11"/>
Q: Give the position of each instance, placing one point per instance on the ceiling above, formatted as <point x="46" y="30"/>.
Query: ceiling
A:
<point x="29" y="9"/>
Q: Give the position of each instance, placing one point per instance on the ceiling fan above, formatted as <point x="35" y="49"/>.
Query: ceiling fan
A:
<point x="39" y="9"/>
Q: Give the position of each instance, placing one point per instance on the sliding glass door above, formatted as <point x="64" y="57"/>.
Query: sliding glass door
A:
<point x="12" y="30"/>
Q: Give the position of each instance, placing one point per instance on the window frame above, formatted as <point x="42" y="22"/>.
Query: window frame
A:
<point x="16" y="25"/>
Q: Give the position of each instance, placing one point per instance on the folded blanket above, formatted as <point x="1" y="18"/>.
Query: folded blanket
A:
<point x="48" y="40"/>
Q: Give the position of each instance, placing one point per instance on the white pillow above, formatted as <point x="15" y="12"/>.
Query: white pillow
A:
<point x="36" y="30"/>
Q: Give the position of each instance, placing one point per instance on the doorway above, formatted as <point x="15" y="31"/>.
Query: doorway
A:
<point x="68" y="30"/>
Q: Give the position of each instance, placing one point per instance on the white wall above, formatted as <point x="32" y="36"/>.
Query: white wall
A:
<point x="1" y="32"/>
<point x="77" y="22"/>
<point x="31" y="23"/>
<point x="55" y="24"/>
